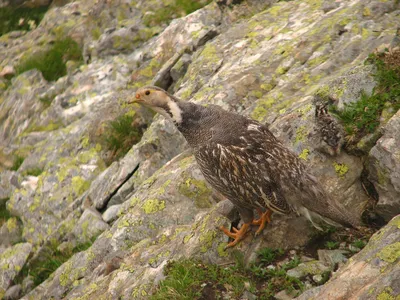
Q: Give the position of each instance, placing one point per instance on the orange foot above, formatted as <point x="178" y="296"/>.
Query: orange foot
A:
<point x="237" y="235"/>
<point x="264" y="219"/>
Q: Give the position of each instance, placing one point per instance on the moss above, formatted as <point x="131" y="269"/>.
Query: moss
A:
<point x="262" y="108"/>
<point x="301" y="134"/>
<point x="340" y="169"/>
<point x="304" y="154"/>
<point x="79" y="185"/>
<point x="390" y="253"/>
<point x="221" y="250"/>
<point x="153" y="205"/>
<point x="206" y="239"/>
<point x="196" y="190"/>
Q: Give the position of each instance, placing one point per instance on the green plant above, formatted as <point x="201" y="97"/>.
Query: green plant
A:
<point x="119" y="136"/>
<point x="52" y="62"/>
<point x="20" y="18"/>
<point x="33" y="172"/>
<point x="177" y="8"/>
<point x="4" y="213"/>
<point x="364" y="116"/>
<point x="268" y="255"/>
<point x="18" y="160"/>
<point x="359" y="244"/>
<point x="331" y="245"/>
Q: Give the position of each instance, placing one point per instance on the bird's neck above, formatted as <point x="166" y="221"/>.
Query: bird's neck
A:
<point x="196" y="122"/>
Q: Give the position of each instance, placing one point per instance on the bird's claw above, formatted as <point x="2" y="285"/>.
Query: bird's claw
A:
<point x="237" y="235"/>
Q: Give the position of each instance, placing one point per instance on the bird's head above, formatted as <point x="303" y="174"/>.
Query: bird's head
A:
<point x="160" y="101"/>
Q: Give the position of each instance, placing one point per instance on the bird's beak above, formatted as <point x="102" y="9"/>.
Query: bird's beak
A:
<point x="135" y="100"/>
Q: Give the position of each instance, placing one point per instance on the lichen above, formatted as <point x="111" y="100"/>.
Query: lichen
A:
<point x="340" y="169"/>
<point x="390" y="253"/>
<point x="262" y="108"/>
<point x="196" y="190"/>
<point x="304" y="154"/>
<point x="301" y="134"/>
<point x="153" y="205"/>
<point x="11" y="224"/>
<point x="79" y="185"/>
<point x="221" y="250"/>
<point x="386" y="294"/>
<point x="206" y="239"/>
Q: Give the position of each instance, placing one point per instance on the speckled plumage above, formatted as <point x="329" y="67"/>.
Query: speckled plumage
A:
<point x="327" y="128"/>
<point x="246" y="163"/>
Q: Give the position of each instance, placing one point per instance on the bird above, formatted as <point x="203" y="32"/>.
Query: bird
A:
<point x="242" y="160"/>
<point x="328" y="131"/>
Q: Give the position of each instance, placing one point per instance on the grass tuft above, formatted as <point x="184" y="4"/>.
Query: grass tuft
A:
<point x="18" y="160"/>
<point x="364" y="116"/>
<point x="20" y="18"/>
<point x="119" y="136"/>
<point x="52" y="63"/>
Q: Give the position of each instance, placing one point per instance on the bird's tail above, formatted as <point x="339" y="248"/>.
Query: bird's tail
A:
<point x="326" y="206"/>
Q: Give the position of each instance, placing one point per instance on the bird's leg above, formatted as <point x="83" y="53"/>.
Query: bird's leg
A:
<point x="264" y="218"/>
<point x="237" y="235"/>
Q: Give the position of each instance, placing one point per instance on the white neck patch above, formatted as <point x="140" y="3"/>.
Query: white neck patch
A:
<point x="175" y="111"/>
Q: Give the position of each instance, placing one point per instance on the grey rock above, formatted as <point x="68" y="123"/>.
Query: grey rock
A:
<point x="180" y="68"/>
<point x="370" y="274"/>
<point x="384" y="169"/>
<point x="5" y="184"/>
<point x="10" y="232"/>
<point x="308" y="268"/>
<point x="27" y="284"/>
<point x="283" y="295"/>
<point x="13" y="293"/>
<point x="11" y="262"/>
<point x="248" y="296"/>
<point x="329" y="5"/>
<point x="89" y="226"/>
<point x="110" y="214"/>
<point x="331" y="257"/>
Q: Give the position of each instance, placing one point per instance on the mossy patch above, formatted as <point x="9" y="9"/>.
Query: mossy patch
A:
<point x="153" y="205"/>
<point x="390" y="253"/>
<point x="198" y="191"/>
<point x="340" y="169"/>
<point x="52" y="63"/>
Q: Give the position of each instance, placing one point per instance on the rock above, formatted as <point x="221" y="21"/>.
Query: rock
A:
<point x="384" y="169"/>
<point x="110" y="214"/>
<point x="5" y="184"/>
<point x="331" y="257"/>
<point x="11" y="262"/>
<point x="329" y="5"/>
<point x="89" y="226"/>
<point x="372" y="273"/>
<point x="10" y="232"/>
<point x="27" y="284"/>
<point x="13" y="293"/>
<point x="248" y="296"/>
<point x="8" y="71"/>
<point x="308" y="268"/>
<point x="180" y="68"/>
<point x="317" y="278"/>
<point x="283" y="295"/>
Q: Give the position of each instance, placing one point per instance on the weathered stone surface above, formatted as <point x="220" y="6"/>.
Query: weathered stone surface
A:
<point x="331" y="257"/>
<point x="314" y="267"/>
<point x="5" y="184"/>
<point x="111" y="214"/>
<point x="10" y="232"/>
<point x="11" y="262"/>
<point x="373" y="273"/>
<point x="384" y="168"/>
<point x="13" y="293"/>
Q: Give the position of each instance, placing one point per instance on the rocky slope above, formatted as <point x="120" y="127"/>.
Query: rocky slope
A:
<point x="118" y="225"/>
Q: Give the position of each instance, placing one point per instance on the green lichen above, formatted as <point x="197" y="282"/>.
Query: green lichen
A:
<point x="221" y="250"/>
<point x="11" y="224"/>
<point x="386" y="294"/>
<point x="187" y="238"/>
<point x="206" y="239"/>
<point x="79" y="185"/>
<point x="301" y="134"/>
<point x="151" y="68"/>
<point x="209" y="53"/>
<point x="340" y="169"/>
<point x="262" y="108"/>
<point x="304" y="154"/>
<point x="196" y="190"/>
<point x="153" y="205"/>
<point x="390" y="253"/>
<point x="66" y="274"/>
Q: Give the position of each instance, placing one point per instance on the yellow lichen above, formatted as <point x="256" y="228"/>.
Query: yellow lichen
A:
<point x="340" y="169"/>
<point x="153" y="205"/>
<point x="390" y="253"/>
<point x="304" y="154"/>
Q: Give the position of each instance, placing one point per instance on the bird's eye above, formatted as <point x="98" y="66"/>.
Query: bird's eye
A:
<point x="147" y="93"/>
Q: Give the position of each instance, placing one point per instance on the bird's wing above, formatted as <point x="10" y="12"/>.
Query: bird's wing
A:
<point x="243" y="164"/>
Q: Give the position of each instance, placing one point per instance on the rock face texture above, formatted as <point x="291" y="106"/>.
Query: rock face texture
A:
<point x="263" y="59"/>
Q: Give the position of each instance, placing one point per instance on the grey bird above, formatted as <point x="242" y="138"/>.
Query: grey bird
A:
<point x="328" y="131"/>
<point x="247" y="164"/>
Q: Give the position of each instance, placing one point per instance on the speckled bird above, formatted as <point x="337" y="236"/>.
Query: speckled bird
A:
<point x="246" y="163"/>
<point x="327" y="128"/>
